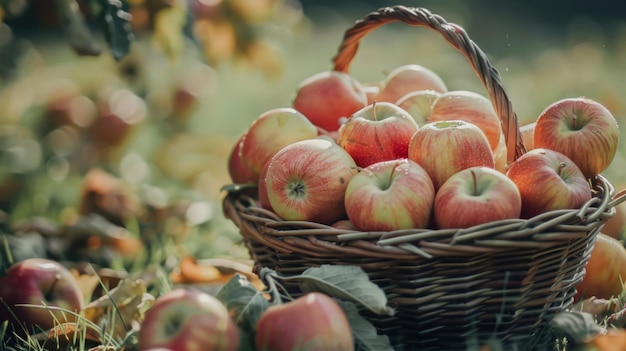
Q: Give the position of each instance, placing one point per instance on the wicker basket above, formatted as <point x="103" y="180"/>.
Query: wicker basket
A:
<point x="451" y="288"/>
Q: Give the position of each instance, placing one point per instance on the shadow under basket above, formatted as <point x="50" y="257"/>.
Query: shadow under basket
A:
<point x="451" y="289"/>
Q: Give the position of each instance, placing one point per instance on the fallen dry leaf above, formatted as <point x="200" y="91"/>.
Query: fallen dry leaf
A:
<point x="212" y="271"/>
<point x="122" y="308"/>
<point x="69" y="336"/>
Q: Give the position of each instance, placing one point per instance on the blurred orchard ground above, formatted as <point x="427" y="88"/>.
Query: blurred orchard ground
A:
<point x="129" y="109"/>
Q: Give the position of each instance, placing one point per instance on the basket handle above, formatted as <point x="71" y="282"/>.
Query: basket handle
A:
<point x="458" y="38"/>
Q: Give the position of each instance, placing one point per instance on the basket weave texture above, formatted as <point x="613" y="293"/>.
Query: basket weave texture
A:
<point x="451" y="288"/>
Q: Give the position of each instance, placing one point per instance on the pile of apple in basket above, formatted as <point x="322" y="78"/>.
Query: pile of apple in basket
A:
<point x="407" y="152"/>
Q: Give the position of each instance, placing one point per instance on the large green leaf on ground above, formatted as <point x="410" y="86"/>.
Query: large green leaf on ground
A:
<point x="349" y="283"/>
<point x="243" y="301"/>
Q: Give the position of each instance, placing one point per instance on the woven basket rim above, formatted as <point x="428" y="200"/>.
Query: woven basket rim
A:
<point x="314" y="239"/>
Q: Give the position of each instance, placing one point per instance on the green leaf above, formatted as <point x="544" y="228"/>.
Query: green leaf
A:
<point x="577" y="326"/>
<point x="365" y="335"/>
<point x="117" y="29"/>
<point x="246" y="341"/>
<point x="349" y="283"/>
<point x="243" y="301"/>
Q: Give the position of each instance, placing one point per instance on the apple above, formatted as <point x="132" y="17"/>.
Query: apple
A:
<point x="475" y="196"/>
<point x="39" y="282"/>
<point x="307" y="181"/>
<point x="237" y="169"/>
<point x="407" y="78"/>
<point x="118" y="115"/>
<point x="500" y="156"/>
<point x="390" y="195"/>
<point x="270" y="132"/>
<point x="188" y="319"/>
<point x="327" y="97"/>
<point x="378" y="132"/>
<point x="581" y="129"/>
<point x="74" y="110"/>
<point x="419" y="104"/>
<point x="615" y="226"/>
<point x="605" y="271"/>
<point x="343" y="224"/>
<point x="528" y="134"/>
<point x="548" y="180"/>
<point x="263" y="196"/>
<point x="447" y="147"/>
<point x="312" y="322"/>
<point x="371" y="92"/>
<point x="470" y="107"/>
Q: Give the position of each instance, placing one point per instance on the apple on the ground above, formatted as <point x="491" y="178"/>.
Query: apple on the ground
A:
<point x="548" y="180"/>
<point x="605" y="271"/>
<point x="327" y="97"/>
<point x="34" y="283"/>
<point x="447" y="147"/>
<point x="307" y="180"/>
<point x="313" y="322"/>
<point x="475" y="196"/>
<point x="582" y="129"/>
<point x="390" y="195"/>
<point x="378" y="132"/>
<point x="188" y="319"/>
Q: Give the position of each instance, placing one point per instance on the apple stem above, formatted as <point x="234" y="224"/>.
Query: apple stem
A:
<point x="475" y="187"/>
<point x="374" y="110"/>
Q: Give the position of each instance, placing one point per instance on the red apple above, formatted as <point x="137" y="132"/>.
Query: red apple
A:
<point x="475" y="196"/>
<point x="307" y="181"/>
<point x="419" y="104"/>
<point x="343" y="224"/>
<point x="118" y="115"/>
<point x="407" y="78"/>
<point x="264" y="200"/>
<point x="445" y="148"/>
<point x="390" y="195"/>
<point x="312" y="322"/>
<point x="615" y="226"/>
<point x="528" y="135"/>
<point x="328" y="97"/>
<point x="548" y="180"/>
<point x="500" y="156"/>
<point x="74" y="110"/>
<point x="581" y="129"/>
<point x="188" y="319"/>
<point x="470" y="107"/>
<point x="605" y="271"/>
<point x="371" y="91"/>
<point x="237" y="169"/>
<point x="39" y="282"/>
<point x="377" y="132"/>
<point x="270" y="132"/>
